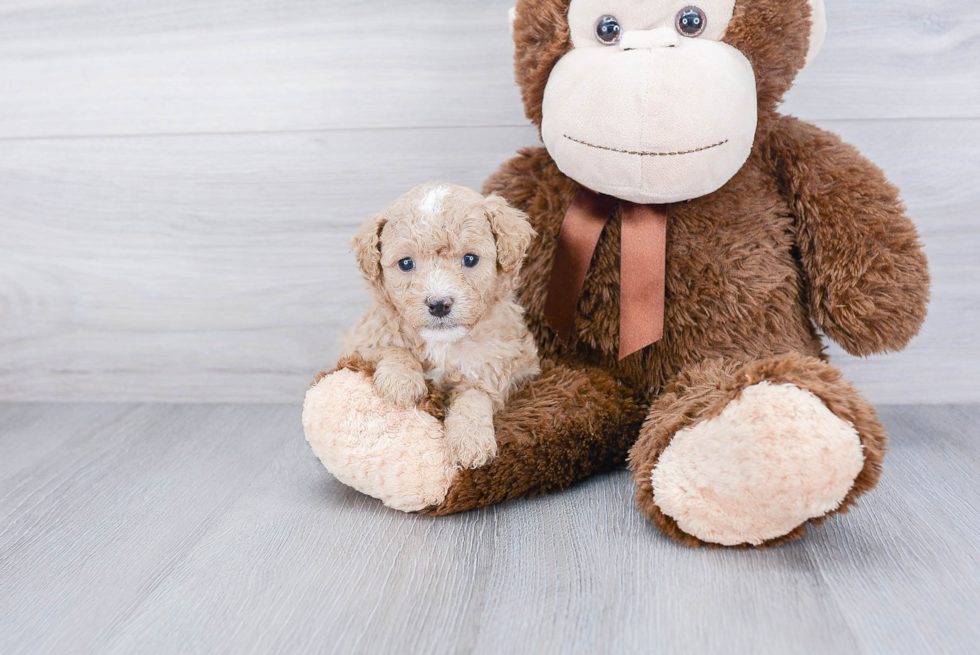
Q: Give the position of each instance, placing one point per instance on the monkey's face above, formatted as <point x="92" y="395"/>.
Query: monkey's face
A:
<point x="649" y="105"/>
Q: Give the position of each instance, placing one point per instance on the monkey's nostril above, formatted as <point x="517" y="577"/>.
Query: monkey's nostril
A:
<point x="440" y="307"/>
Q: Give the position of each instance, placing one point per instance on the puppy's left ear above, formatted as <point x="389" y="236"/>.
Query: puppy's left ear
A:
<point x="366" y="246"/>
<point x="512" y="232"/>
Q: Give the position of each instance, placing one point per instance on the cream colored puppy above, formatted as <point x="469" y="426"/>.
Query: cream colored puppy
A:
<point x="443" y="262"/>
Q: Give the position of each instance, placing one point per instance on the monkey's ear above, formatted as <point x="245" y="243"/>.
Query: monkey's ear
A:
<point x="512" y="232"/>
<point x="818" y="29"/>
<point x="366" y="246"/>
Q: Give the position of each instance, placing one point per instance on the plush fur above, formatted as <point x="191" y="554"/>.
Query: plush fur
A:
<point x="395" y="455"/>
<point x="808" y="236"/>
<point x="798" y="458"/>
<point x="704" y="391"/>
<point x="477" y="348"/>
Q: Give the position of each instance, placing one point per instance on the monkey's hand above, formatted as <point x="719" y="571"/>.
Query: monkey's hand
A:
<point x="470" y="438"/>
<point x="398" y="379"/>
<point x="867" y="276"/>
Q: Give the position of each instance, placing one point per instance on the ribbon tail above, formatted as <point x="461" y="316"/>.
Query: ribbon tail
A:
<point x="643" y="263"/>
<point x="577" y="241"/>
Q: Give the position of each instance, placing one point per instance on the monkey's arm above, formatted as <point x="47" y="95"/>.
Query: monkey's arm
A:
<point x="868" y="277"/>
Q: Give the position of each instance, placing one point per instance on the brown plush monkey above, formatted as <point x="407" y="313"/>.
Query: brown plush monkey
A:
<point x="708" y="231"/>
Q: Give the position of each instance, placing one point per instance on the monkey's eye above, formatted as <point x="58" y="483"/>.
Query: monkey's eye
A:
<point x="469" y="261"/>
<point x="691" y="22"/>
<point x="608" y="30"/>
<point x="407" y="264"/>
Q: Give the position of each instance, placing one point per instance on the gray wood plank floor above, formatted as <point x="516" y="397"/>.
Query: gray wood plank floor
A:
<point x="213" y="529"/>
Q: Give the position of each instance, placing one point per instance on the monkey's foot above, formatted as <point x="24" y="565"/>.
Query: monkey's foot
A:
<point x="747" y="456"/>
<point x="398" y="456"/>
<point x="772" y="460"/>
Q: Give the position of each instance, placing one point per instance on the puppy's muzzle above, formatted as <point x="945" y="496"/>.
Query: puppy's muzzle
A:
<point x="439" y="307"/>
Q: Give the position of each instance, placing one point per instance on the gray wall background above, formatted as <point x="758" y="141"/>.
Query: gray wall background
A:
<point x="178" y="180"/>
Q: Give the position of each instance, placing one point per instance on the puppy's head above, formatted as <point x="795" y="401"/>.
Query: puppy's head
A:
<point x="442" y="255"/>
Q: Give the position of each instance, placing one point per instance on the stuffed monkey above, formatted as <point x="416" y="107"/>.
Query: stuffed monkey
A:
<point x="694" y="246"/>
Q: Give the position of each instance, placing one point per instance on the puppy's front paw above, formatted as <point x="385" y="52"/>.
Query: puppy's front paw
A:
<point x="400" y="386"/>
<point x="471" y="444"/>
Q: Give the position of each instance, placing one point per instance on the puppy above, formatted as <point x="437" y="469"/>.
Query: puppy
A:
<point x="443" y="262"/>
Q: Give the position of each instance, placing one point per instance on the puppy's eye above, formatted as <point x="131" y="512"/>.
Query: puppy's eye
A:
<point x="469" y="261"/>
<point x="608" y="30"/>
<point x="691" y="22"/>
<point x="407" y="264"/>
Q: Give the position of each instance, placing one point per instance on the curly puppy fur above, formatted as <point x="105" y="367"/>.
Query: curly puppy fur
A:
<point x="450" y="319"/>
<point x="808" y="235"/>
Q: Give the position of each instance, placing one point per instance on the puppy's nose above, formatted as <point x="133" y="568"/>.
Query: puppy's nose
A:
<point x="439" y="307"/>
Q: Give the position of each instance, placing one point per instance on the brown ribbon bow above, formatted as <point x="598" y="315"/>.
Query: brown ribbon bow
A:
<point x="643" y="250"/>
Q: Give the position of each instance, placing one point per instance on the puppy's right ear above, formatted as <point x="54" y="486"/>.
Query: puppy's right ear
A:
<point x="511" y="231"/>
<point x="366" y="246"/>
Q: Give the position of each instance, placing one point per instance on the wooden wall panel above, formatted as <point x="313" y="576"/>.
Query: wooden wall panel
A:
<point x="97" y="67"/>
<point x="200" y="267"/>
<point x="178" y="180"/>
<point x="216" y="267"/>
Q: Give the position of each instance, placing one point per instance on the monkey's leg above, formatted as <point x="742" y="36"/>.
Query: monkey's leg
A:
<point x="737" y="453"/>
<point x="563" y="427"/>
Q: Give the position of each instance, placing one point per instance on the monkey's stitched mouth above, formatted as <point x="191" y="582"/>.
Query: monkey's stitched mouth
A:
<point x="647" y="154"/>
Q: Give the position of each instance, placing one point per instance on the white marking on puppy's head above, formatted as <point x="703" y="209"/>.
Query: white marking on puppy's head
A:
<point x="431" y="203"/>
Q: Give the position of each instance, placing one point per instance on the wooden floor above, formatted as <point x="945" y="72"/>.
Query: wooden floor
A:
<point x="213" y="529"/>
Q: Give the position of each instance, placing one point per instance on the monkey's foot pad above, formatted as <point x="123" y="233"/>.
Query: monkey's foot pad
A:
<point x="397" y="456"/>
<point x="773" y="459"/>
